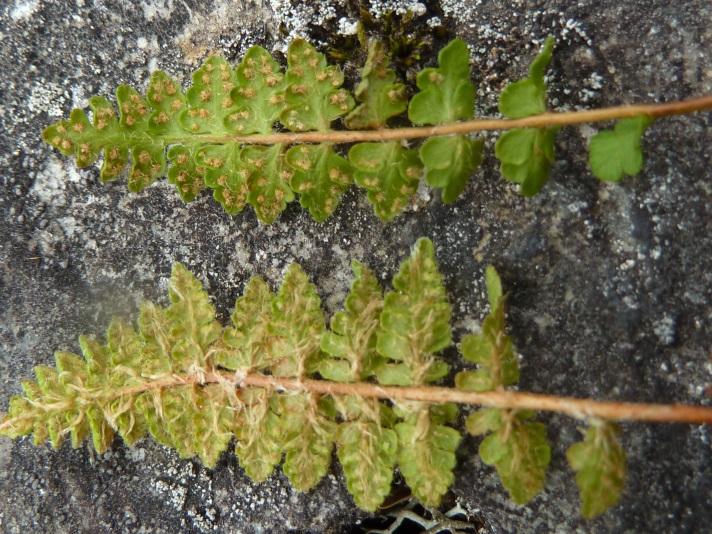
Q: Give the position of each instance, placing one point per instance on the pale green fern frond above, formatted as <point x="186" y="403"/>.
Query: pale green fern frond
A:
<point x="289" y="390"/>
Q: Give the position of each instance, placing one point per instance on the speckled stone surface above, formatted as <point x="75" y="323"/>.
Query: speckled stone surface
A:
<point x="610" y="285"/>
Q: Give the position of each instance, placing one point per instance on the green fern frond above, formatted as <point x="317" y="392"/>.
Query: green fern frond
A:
<point x="187" y="137"/>
<point x="194" y="385"/>
<point x="227" y="132"/>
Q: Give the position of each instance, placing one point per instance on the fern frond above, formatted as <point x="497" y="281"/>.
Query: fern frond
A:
<point x="193" y="385"/>
<point x="224" y="132"/>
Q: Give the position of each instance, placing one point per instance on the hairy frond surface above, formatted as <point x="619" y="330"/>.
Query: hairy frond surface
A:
<point x="196" y="386"/>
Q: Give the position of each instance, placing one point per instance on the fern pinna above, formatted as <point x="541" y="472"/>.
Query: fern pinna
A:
<point x="261" y="136"/>
<point x="290" y="390"/>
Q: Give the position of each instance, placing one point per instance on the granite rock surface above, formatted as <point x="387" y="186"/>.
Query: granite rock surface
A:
<point x="610" y="285"/>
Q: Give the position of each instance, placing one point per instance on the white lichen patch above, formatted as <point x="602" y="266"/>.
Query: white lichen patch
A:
<point x="296" y="19"/>
<point x="157" y="9"/>
<point x="664" y="329"/>
<point x="400" y="7"/>
<point x="228" y="23"/>
<point x="337" y="286"/>
<point x="47" y="97"/>
<point x="24" y="10"/>
<point x="50" y="183"/>
<point x="348" y="26"/>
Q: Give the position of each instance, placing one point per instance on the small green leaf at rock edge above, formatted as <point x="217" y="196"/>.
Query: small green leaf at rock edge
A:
<point x="313" y="94"/>
<point x="446" y="93"/>
<point x="521" y="453"/>
<point x="351" y="342"/>
<point x="528" y="96"/>
<point x="600" y="465"/>
<point x="320" y="176"/>
<point x="389" y="172"/>
<point x="415" y="321"/>
<point x="494" y="287"/>
<point x="378" y="96"/>
<point x="449" y="163"/>
<point x="526" y="156"/>
<point x="613" y="153"/>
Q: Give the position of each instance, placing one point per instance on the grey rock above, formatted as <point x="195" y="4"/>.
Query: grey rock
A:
<point x="610" y="285"/>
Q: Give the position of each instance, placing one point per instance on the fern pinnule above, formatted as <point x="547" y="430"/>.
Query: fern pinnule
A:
<point x="351" y="341"/>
